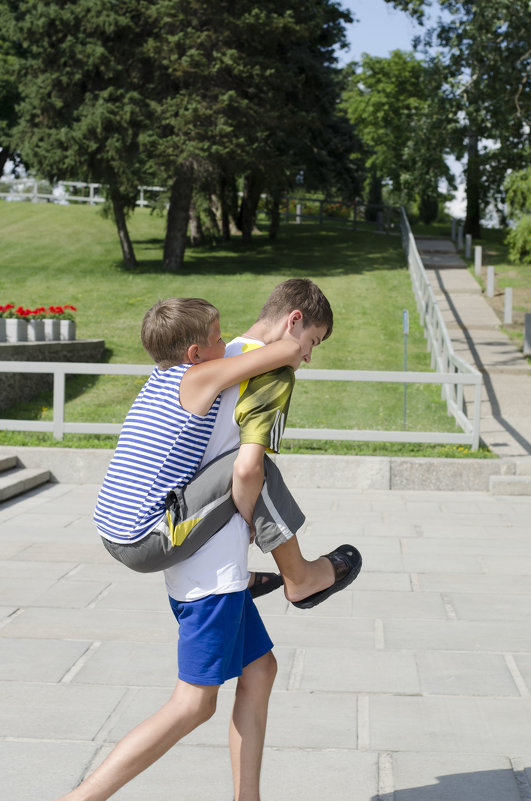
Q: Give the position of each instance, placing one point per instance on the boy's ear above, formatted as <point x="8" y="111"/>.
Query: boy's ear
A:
<point x="294" y="317"/>
<point x="192" y="354"/>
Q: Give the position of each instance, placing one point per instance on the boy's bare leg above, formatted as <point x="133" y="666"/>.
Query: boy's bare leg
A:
<point x="302" y="577"/>
<point x="248" y="725"/>
<point x="189" y="706"/>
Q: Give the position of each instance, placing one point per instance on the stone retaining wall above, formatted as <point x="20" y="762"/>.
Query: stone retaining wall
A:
<point x="17" y="387"/>
<point x="88" y="466"/>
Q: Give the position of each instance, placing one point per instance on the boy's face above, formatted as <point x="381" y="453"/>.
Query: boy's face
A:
<point x="308" y="338"/>
<point x="215" y="347"/>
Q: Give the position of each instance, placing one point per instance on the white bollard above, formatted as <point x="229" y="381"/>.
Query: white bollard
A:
<point x="478" y="256"/>
<point x="527" y="335"/>
<point x="460" y="237"/>
<point x="468" y="246"/>
<point x="490" y="282"/>
<point x="508" y="310"/>
<point x="298" y="218"/>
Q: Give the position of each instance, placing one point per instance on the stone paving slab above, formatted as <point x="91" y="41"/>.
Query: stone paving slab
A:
<point x="465" y="674"/>
<point x="449" y="777"/>
<point x="35" y="770"/>
<point x="450" y="724"/>
<point x="456" y="282"/>
<point x="446" y="261"/>
<point x="434" y="243"/>
<point x="412" y="685"/>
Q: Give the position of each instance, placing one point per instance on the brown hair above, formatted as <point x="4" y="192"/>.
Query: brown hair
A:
<point x="172" y="325"/>
<point x="301" y="294"/>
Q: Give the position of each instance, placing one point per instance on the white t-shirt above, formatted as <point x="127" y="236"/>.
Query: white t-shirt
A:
<point x="220" y="565"/>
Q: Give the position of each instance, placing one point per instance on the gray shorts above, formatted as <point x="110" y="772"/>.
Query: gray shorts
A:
<point x="195" y="512"/>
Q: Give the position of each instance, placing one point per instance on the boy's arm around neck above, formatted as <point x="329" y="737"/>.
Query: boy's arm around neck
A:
<point x="203" y="382"/>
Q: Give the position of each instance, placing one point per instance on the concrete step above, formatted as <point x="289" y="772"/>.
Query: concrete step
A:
<point x="21" y="479"/>
<point x="7" y="463"/>
<point x="510" y="485"/>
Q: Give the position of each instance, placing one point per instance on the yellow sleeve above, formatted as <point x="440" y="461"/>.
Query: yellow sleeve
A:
<point x="262" y="408"/>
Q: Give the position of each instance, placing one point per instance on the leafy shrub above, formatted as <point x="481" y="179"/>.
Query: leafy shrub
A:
<point x="518" y="186"/>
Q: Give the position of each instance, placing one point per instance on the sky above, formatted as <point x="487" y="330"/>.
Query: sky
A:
<point x="380" y="28"/>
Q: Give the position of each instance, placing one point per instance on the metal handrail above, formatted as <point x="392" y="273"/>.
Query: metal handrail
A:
<point x="58" y="427"/>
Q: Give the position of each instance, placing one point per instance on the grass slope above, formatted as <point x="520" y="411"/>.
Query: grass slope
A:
<point x="70" y="254"/>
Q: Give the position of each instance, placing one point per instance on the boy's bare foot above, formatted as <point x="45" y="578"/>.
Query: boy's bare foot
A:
<point x="346" y="563"/>
<point x="264" y="583"/>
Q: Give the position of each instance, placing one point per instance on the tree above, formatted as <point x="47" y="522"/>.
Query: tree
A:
<point x="81" y="112"/>
<point x="518" y="186"/>
<point x="177" y="92"/>
<point x="239" y="88"/>
<point x="487" y="57"/>
<point x="400" y="115"/>
<point x="9" y="94"/>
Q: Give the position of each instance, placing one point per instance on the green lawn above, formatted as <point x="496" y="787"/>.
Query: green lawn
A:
<point x="70" y="254"/>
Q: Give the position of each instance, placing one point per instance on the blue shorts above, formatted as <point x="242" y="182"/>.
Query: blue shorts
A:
<point x="218" y="636"/>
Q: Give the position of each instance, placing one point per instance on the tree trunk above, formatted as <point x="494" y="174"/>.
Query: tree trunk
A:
<point x="252" y="186"/>
<point x="374" y="197"/>
<point x="196" y="229"/>
<point x="4" y="155"/>
<point x="274" y="223"/>
<point x="473" y="188"/>
<point x="224" y="206"/>
<point x="123" y="234"/>
<point x="177" y="220"/>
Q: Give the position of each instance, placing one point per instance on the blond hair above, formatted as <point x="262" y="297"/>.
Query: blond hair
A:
<point x="170" y="326"/>
<point x="301" y="294"/>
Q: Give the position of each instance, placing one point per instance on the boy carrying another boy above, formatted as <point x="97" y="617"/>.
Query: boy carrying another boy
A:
<point x="167" y="429"/>
<point x="221" y="634"/>
<point x="147" y="468"/>
<point x="251" y="420"/>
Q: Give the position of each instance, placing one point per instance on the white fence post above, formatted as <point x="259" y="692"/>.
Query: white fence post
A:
<point x="527" y="335"/>
<point x="490" y="282"/>
<point x="468" y="246"/>
<point x="508" y="306"/>
<point x="478" y="258"/>
<point x="58" y="404"/>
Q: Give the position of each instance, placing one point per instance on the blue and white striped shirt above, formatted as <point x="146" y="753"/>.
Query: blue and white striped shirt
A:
<point x="160" y="447"/>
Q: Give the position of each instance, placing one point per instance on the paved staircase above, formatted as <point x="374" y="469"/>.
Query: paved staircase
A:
<point x="477" y="337"/>
<point x="517" y="484"/>
<point x="15" y="479"/>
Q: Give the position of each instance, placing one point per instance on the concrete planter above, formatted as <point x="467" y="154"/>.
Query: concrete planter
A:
<point x="52" y="330"/>
<point x="67" y="330"/>
<point x="36" y="331"/>
<point x="16" y="330"/>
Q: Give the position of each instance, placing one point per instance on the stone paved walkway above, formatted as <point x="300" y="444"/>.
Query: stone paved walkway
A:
<point x="413" y="685"/>
<point x="476" y="335"/>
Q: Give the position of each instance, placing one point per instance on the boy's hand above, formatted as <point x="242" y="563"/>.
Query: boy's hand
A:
<point x="293" y="352"/>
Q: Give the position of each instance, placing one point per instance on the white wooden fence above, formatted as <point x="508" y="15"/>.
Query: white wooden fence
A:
<point x="58" y="427"/>
<point x="65" y="192"/>
<point x="443" y="358"/>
